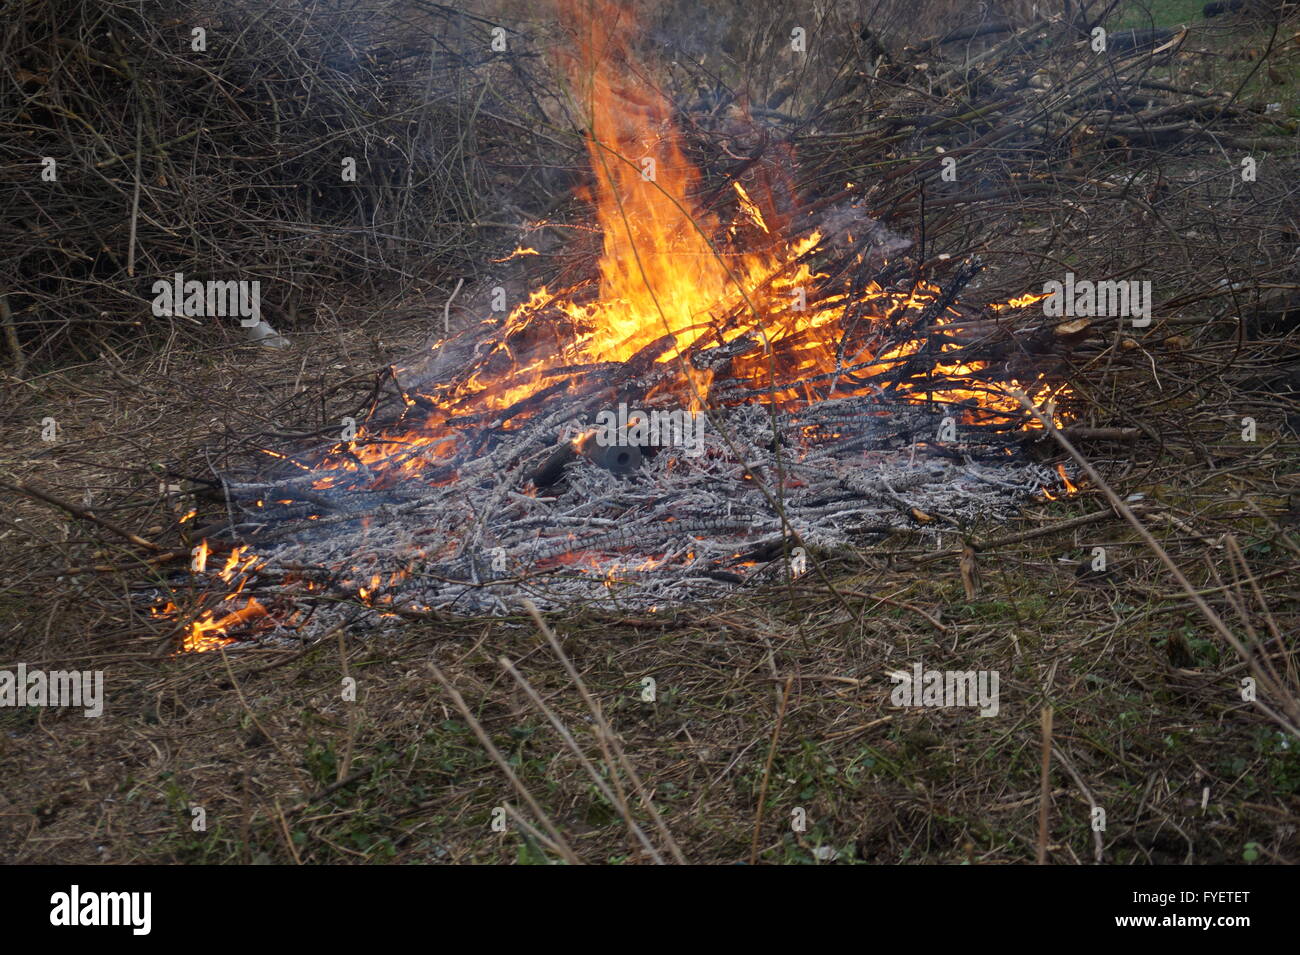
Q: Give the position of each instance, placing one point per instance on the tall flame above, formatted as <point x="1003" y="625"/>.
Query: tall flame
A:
<point x="659" y="273"/>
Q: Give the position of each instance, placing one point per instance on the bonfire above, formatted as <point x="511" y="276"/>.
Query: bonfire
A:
<point x="748" y="380"/>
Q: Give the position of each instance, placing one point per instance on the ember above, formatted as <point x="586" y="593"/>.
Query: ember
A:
<point x="829" y="393"/>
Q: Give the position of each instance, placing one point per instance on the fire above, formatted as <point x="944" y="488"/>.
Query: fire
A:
<point x="518" y="253"/>
<point x="1069" y="486"/>
<point x="673" y="278"/>
<point x="206" y="633"/>
<point x="1022" y="301"/>
<point x="207" y="630"/>
<point x="200" y="563"/>
<point x="747" y="206"/>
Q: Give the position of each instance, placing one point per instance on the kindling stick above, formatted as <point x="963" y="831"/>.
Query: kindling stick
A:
<point x="85" y="515"/>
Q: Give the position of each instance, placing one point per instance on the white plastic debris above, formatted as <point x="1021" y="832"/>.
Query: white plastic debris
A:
<point x="264" y="333"/>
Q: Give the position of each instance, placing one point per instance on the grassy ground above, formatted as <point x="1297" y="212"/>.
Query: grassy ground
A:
<point x="1160" y="13"/>
<point x="1149" y="720"/>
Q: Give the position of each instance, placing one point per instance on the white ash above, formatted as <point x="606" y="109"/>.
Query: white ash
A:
<point x="679" y="529"/>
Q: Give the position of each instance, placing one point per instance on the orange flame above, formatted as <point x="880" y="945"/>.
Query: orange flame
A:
<point x="1070" y="488"/>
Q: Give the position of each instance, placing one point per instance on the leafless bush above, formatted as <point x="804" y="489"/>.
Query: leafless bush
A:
<point x="224" y="159"/>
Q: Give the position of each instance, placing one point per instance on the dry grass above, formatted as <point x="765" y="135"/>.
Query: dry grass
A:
<point x="1147" y="740"/>
<point x="1149" y="720"/>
